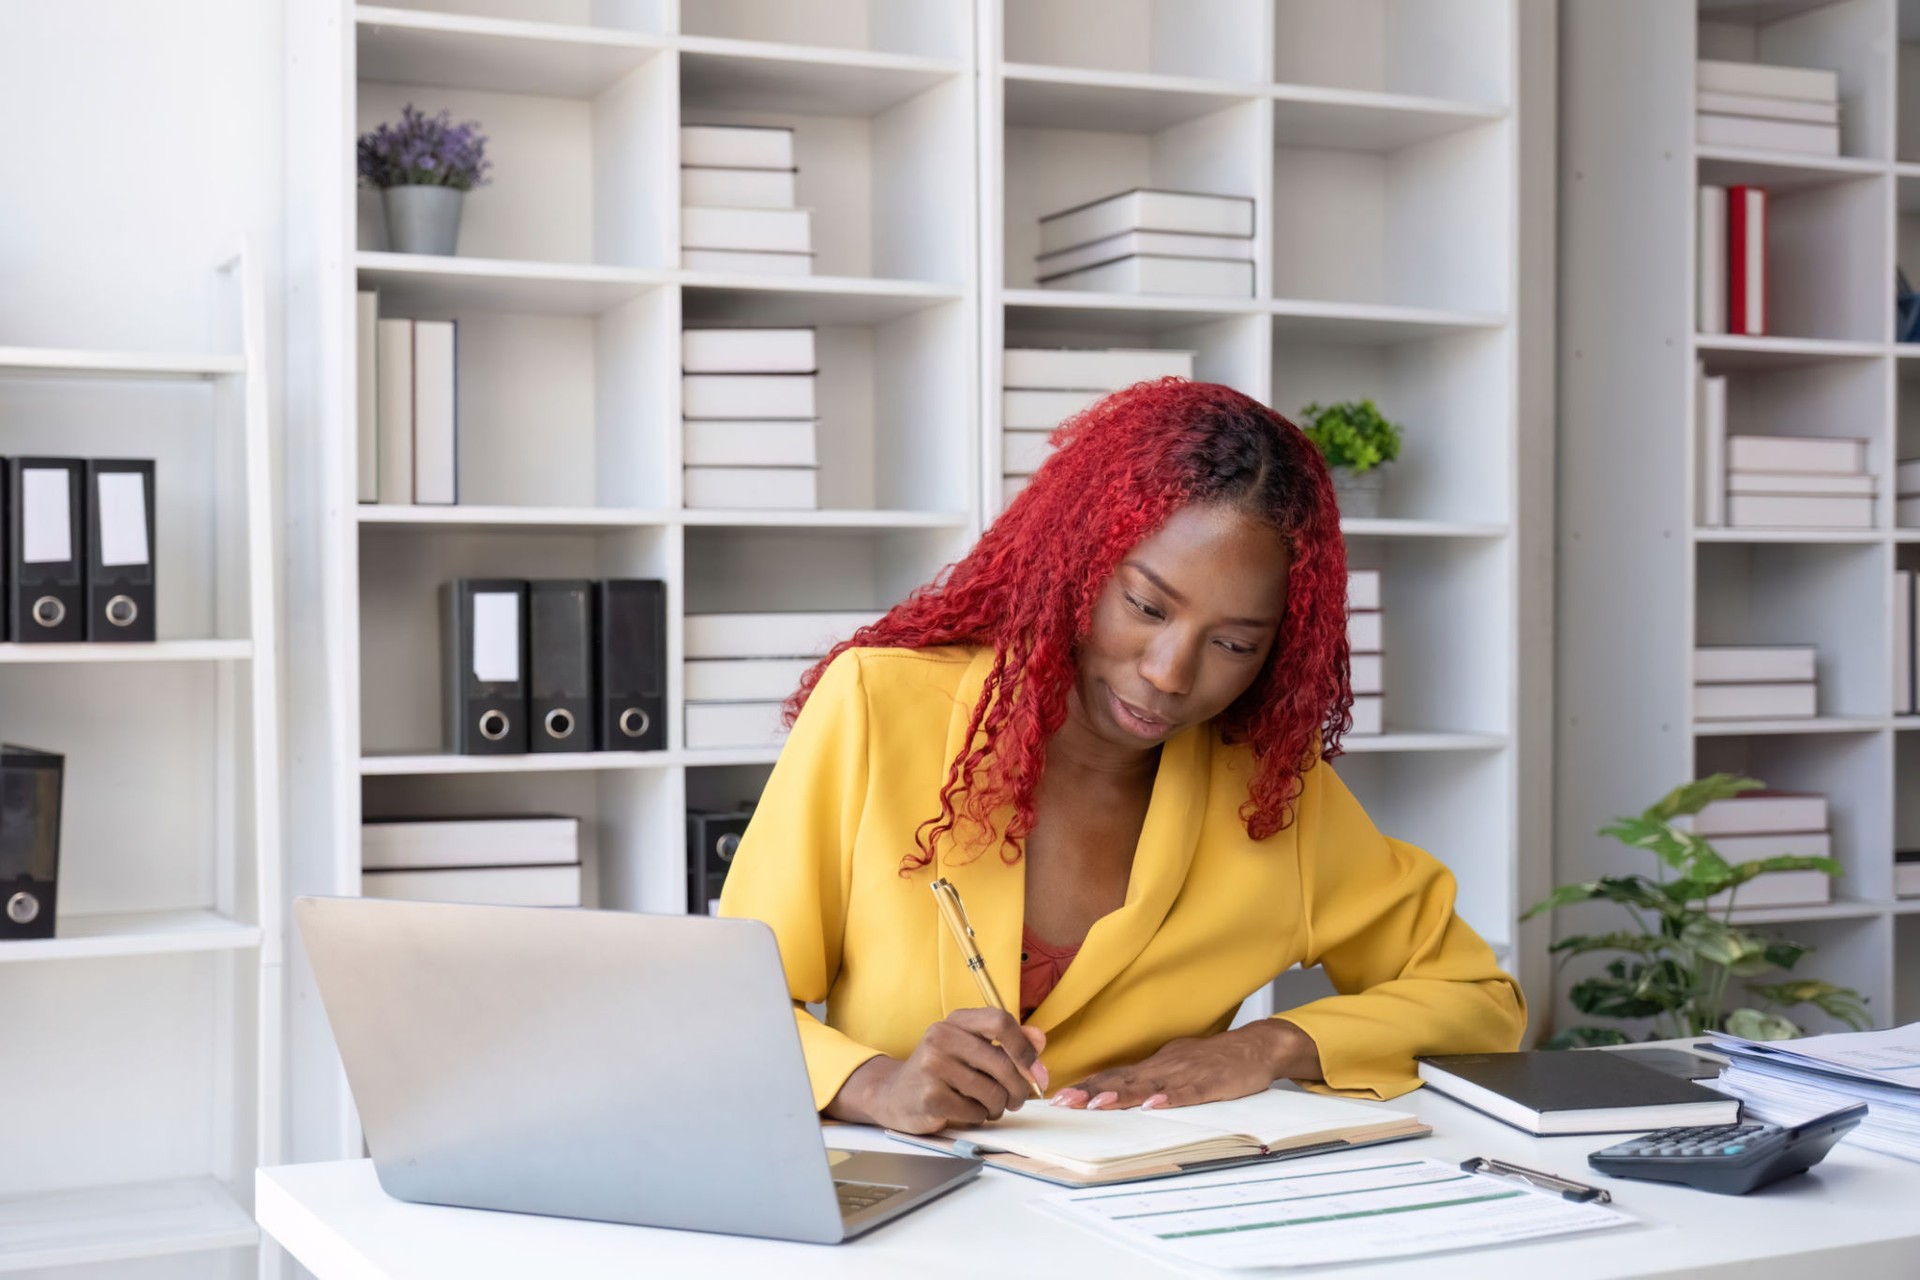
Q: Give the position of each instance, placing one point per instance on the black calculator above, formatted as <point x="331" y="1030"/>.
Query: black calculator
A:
<point x="1732" y="1159"/>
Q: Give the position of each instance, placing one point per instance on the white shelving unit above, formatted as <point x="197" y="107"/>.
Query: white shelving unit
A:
<point x="1641" y="582"/>
<point x="140" y="1124"/>
<point x="930" y="135"/>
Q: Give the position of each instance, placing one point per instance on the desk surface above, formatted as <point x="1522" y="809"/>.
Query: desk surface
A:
<point x="1857" y="1211"/>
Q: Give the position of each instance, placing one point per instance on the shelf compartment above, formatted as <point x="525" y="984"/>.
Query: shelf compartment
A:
<point x="1731" y="353"/>
<point x="100" y="1225"/>
<point x="1779" y="171"/>
<point x="756" y="75"/>
<point x="1851" y="39"/>
<point x="1461" y="50"/>
<point x="1353" y="120"/>
<point x="713" y="298"/>
<point x="920" y="28"/>
<point x="1119" y="313"/>
<point x="425" y="284"/>
<point x="139" y="933"/>
<point x="1165" y="38"/>
<point x="736" y="570"/>
<point x="1037" y="97"/>
<point x="456" y="51"/>
<point x="73" y="362"/>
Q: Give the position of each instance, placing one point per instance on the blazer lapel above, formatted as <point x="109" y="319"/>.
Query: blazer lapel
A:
<point x="1168" y="838"/>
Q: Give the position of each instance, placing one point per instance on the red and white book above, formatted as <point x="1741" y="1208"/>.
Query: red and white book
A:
<point x="1747" y="260"/>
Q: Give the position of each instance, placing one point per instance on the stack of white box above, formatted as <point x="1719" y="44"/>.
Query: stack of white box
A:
<point x="1769" y="824"/>
<point x="748" y="419"/>
<point x="1144" y="241"/>
<point x="740" y="668"/>
<point x="737" y="206"/>
<point x="1041" y="387"/>
<point x="1766" y="682"/>
<point x="1366" y="634"/>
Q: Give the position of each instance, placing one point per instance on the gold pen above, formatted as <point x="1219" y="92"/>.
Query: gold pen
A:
<point x="955" y="914"/>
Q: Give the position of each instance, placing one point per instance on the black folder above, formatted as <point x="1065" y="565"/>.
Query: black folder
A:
<point x="46" y="550"/>
<point x="560" y="710"/>
<point x="120" y="559"/>
<point x="29" y="840"/>
<point x="633" y="664"/>
<point x="485" y="642"/>
<point x="712" y="840"/>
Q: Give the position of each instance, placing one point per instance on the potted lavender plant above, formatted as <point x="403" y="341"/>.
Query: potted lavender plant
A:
<point x="423" y="167"/>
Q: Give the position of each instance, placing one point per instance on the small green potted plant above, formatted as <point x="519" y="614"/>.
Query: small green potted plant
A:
<point x="1677" y="967"/>
<point x="1357" y="440"/>
<point x="423" y="167"/>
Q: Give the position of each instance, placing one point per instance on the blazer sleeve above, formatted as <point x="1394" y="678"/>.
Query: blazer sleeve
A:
<point x="1412" y="977"/>
<point x="794" y="864"/>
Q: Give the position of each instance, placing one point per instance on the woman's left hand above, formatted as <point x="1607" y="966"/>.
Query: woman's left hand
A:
<point x="1184" y="1072"/>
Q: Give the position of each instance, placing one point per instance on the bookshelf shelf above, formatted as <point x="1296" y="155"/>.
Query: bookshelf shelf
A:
<point x="826" y="519"/>
<point x="160" y="651"/>
<point x="1411" y="740"/>
<point x="140" y="933"/>
<point x="1372" y="324"/>
<point x="1735" y="353"/>
<point x="481" y="518"/>
<point x="1356" y="120"/>
<point x="1839" y="910"/>
<point x="1788" y="536"/>
<point x="1040" y="97"/>
<point x="751" y="75"/>
<point x="1784" y="728"/>
<point x="808" y="300"/>
<point x="1781" y="170"/>
<point x="416" y="282"/>
<point x="398" y="765"/>
<point x="53" y="361"/>
<point x="457" y="51"/>
<point x="101" y="1225"/>
<point x="1388" y="528"/>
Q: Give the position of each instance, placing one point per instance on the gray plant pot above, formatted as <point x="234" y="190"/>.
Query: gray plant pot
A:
<point x="422" y="219"/>
<point x="1358" y="493"/>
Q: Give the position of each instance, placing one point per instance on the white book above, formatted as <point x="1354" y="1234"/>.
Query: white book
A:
<point x="481" y="886"/>
<point x="1751" y="511"/>
<point x="1821" y="455"/>
<point x="1757" y="664"/>
<point x="1713" y="451"/>
<point x="1806" y="84"/>
<point x="776" y="442"/>
<point x="733" y="146"/>
<point x="747" y="262"/>
<point x="744" y="679"/>
<point x="1369" y="715"/>
<point x="747" y="351"/>
<point x="1777" y="889"/>
<point x="1022" y="452"/>
<point x="1906" y="874"/>
<point x="1775" y="844"/>
<point x="1363" y="589"/>
<point x="1759" y="813"/>
<point x="1806" y="484"/>
<point x="1144" y="209"/>
<point x="739" y="188"/>
<point x="1042" y="410"/>
<point x="1906" y="477"/>
<point x="1054" y="369"/>
<point x="436" y="413"/>
<point x="1768" y="108"/>
<point x="1364" y="633"/>
<point x="770" y="635"/>
<point x="367" y="401"/>
<point x="394" y="373"/>
<point x="1162" y="244"/>
<point x="1755" y="701"/>
<point x="747" y="395"/>
<point x="751" y="489"/>
<point x="415" y="844"/>
<point x="1367" y="673"/>
<point x="1197" y="277"/>
<point x="1767" y="135"/>
<point x="1710" y="253"/>
<point x="759" y="230"/>
<point x="1012" y="487"/>
<point x="1903" y="633"/>
<point x="715" y="726"/>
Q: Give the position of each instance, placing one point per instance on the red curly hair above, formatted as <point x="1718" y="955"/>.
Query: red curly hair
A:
<point x="1119" y="469"/>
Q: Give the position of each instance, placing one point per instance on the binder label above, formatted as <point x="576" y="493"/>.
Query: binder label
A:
<point x="123" y="518"/>
<point x="496" y="636"/>
<point x="46" y="521"/>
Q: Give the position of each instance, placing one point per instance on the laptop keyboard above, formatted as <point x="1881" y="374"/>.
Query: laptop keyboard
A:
<point x="855" y="1196"/>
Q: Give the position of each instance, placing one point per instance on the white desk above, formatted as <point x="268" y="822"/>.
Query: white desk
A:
<point x="1856" y="1216"/>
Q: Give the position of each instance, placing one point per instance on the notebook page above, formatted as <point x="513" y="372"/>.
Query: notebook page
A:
<point x="1279" y="1114"/>
<point x="1089" y="1137"/>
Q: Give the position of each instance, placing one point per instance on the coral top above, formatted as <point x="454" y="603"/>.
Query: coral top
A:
<point x="1041" y="964"/>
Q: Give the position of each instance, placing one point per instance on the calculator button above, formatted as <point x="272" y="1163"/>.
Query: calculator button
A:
<point x="1733" y="1150"/>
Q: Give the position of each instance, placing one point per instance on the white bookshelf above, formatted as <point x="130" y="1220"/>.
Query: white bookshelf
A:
<point x="1642" y="582"/>
<point x="930" y="135"/>
<point x="152" y="1104"/>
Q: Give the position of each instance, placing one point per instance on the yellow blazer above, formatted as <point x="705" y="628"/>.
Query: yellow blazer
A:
<point x="1210" y="914"/>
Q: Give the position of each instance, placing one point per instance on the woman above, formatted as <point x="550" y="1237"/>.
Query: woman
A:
<point x="1106" y="727"/>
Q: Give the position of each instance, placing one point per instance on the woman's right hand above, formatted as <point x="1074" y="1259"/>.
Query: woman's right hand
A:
<point x="956" y="1075"/>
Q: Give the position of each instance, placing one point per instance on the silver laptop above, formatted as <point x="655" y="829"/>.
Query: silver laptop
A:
<point x="592" y="1064"/>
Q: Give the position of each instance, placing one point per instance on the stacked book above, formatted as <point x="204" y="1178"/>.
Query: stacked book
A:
<point x="1041" y="387"/>
<point x="1906" y="487"/>
<point x="1769" y="824"/>
<point x="748" y="425"/>
<point x="1768" y="683"/>
<point x="1145" y="241"/>
<point x="1767" y="108"/>
<point x="737" y="207"/>
<point x="506" y="862"/>
<point x="408" y="408"/>
<point x="740" y="668"/>
<point x="1366" y="634"/>
<point x="1731" y="271"/>
<point x="1780" y="482"/>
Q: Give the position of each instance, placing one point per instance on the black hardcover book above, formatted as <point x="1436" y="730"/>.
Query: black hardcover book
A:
<point x="1575" y="1091"/>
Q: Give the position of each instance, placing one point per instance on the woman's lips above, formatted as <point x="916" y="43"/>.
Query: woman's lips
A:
<point x="1134" y="720"/>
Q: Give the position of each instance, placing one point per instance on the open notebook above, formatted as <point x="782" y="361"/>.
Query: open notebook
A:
<point x="1088" y="1148"/>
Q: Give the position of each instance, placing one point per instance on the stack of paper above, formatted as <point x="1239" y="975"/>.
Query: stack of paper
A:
<point x="1769" y="824"/>
<point x="1754" y="104"/>
<point x="748" y="424"/>
<point x="740" y="668"/>
<point x="1789" y="1081"/>
<point x="737" y="208"/>
<point x="1042" y="387"/>
<point x="1144" y="241"/>
<point x="1366" y="632"/>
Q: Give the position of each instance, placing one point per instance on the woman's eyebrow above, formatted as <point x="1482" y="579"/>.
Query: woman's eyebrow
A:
<point x="1166" y="589"/>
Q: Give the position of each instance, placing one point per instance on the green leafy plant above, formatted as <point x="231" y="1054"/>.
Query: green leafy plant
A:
<point x="1353" y="434"/>
<point x="1677" y="964"/>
